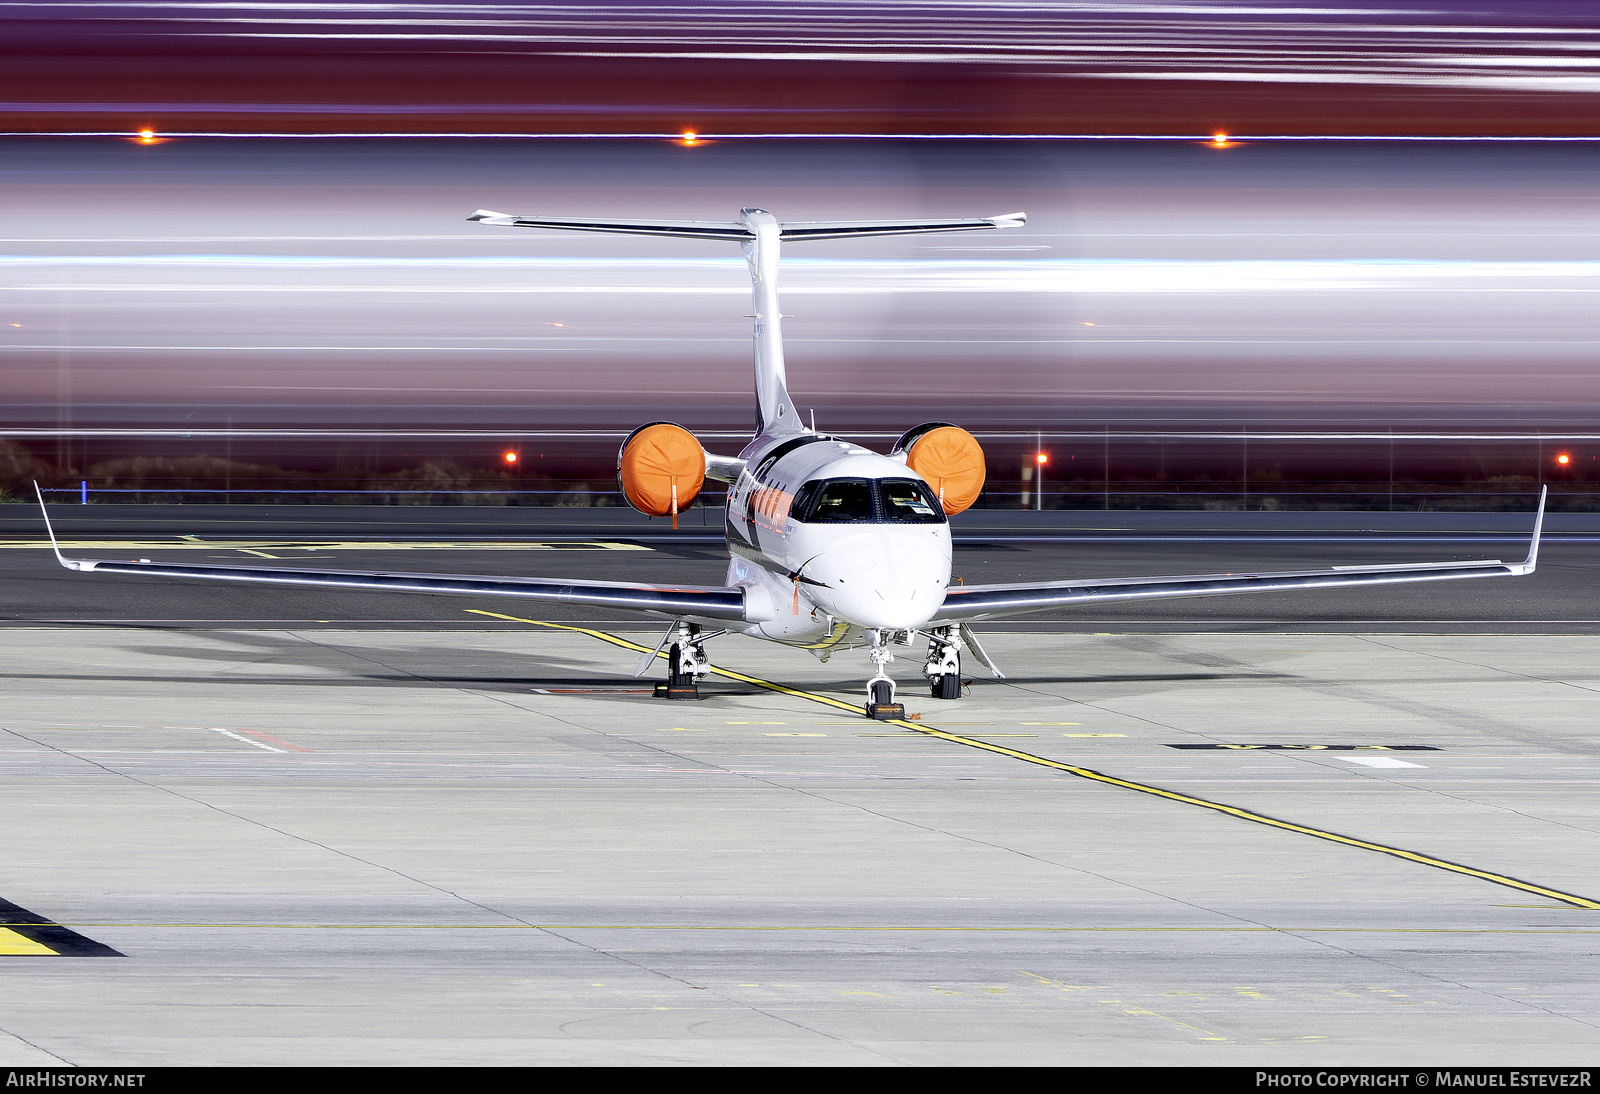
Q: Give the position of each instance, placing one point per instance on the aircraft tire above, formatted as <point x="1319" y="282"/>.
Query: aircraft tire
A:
<point x="676" y="677"/>
<point x="947" y="686"/>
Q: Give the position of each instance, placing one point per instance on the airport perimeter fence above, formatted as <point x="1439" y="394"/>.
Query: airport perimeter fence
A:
<point x="1082" y="470"/>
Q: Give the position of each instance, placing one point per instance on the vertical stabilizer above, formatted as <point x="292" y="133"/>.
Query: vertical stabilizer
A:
<point x="759" y="234"/>
<point x="775" y="411"/>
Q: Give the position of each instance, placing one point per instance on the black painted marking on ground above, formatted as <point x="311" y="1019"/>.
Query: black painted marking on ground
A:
<point x="1317" y="748"/>
<point x="63" y="940"/>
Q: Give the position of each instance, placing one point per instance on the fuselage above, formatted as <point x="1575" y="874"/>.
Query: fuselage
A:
<point x="831" y="533"/>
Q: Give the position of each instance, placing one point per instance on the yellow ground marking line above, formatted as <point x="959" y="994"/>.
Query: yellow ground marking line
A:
<point x="13" y="944"/>
<point x="1111" y="780"/>
<point x="839" y="928"/>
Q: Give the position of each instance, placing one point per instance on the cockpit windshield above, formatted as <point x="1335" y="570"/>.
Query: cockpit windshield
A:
<point x="866" y="501"/>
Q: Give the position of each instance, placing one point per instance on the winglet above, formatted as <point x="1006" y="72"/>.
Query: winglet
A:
<point x="489" y="216"/>
<point x="1531" y="563"/>
<point x="1008" y="220"/>
<point x="70" y="564"/>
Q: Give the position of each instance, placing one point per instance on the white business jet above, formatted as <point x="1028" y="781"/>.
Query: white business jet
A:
<point x="831" y="546"/>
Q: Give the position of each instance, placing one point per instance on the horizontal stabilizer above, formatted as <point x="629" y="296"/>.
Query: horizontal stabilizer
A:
<point x="683" y="229"/>
<point x="788" y="232"/>
<point x="798" y="230"/>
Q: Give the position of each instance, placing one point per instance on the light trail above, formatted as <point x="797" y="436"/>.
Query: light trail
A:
<point x="676" y="137"/>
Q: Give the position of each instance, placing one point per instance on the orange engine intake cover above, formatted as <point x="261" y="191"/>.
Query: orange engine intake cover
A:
<point x="951" y="459"/>
<point x="657" y="462"/>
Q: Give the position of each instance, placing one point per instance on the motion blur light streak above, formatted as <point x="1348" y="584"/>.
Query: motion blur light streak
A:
<point x="1028" y="66"/>
<point x="797" y="135"/>
<point x="1287" y="286"/>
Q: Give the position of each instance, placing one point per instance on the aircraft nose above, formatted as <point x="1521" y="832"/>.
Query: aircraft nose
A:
<point x="898" y="587"/>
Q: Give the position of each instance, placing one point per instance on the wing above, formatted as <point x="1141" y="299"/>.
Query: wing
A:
<point x="974" y="602"/>
<point x="699" y="601"/>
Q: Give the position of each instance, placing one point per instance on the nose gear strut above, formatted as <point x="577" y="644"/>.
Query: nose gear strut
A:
<point x="880" y="689"/>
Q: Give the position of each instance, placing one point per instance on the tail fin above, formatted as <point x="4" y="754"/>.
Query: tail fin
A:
<point x="758" y="233"/>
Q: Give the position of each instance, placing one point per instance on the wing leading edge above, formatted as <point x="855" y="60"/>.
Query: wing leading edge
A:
<point x="974" y="602"/>
<point x="700" y="601"/>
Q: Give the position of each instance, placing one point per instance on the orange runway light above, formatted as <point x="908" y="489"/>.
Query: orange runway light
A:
<point x="511" y="457"/>
<point x="690" y="138"/>
<point x="1042" y="458"/>
<point x="1563" y="459"/>
<point x="147" y="136"/>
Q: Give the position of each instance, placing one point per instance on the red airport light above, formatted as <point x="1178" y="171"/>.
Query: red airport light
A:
<point x="1042" y="458"/>
<point x="1563" y="459"/>
<point x="511" y="457"/>
<point x="690" y="138"/>
<point x="147" y="136"/>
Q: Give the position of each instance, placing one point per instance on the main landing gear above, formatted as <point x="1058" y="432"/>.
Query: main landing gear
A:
<point x="943" y="668"/>
<point x="686" y="662"/>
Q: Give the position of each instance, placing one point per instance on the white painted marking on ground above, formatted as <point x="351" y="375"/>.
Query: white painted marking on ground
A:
<point x="244" y="740"/>
<point x="1377" y="761"/>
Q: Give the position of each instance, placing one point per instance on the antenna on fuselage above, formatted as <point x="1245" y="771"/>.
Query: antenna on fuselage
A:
<point x="759" y="234"/>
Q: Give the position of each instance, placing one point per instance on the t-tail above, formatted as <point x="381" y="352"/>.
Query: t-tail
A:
<point x="759" y="235"/>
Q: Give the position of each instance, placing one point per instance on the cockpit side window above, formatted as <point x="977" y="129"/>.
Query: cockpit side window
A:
<point x="907" y="501"/>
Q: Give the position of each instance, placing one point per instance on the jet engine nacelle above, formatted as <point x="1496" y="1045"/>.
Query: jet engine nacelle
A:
<point x="660" y="469"/>
<point x="949" y="458"/>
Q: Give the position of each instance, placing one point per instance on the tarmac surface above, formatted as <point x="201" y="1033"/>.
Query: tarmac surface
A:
<point x="407" y="841"/>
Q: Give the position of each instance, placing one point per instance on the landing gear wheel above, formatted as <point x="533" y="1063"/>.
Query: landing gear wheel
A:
<point x="680" y="684"/>
<point x="946" y="686"/>
<point x="883" y="707"/>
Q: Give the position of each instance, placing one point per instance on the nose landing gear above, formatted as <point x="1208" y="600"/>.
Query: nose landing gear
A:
<point x="880" y="689"/>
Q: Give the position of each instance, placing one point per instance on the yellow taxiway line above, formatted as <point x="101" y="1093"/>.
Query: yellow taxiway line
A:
<point x="1109" y="780"/>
